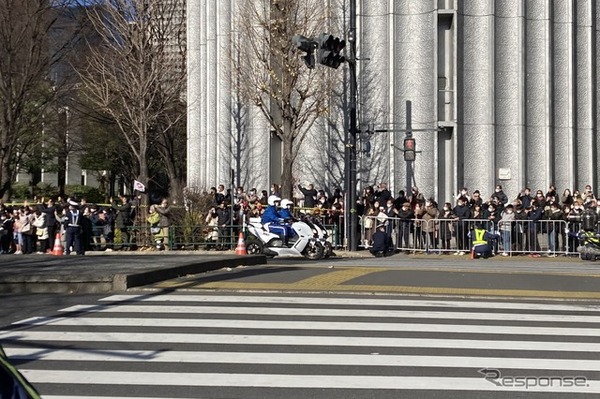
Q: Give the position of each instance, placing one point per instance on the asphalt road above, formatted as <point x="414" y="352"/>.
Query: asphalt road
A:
<point x="558" y="278"/>
<point x="270" y="346"/>
<point x="397" y="327"/>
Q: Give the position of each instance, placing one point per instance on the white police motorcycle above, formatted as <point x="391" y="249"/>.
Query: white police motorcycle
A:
<point x="302" y="241"/>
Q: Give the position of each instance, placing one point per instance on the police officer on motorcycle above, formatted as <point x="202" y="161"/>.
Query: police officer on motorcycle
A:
<point x="272" y="219"/>
<point x="286" y="210"/>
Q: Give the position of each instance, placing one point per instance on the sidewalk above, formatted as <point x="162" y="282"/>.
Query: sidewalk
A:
<point x="103" y="272"/>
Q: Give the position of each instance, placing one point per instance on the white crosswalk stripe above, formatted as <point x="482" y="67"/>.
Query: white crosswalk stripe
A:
<point x="253" y="346"/>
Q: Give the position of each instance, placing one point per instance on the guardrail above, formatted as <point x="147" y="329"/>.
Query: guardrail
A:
<point x="452" y="236"/>
<point x="439" y="236"/>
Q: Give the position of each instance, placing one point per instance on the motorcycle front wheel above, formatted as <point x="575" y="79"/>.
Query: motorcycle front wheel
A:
<point x="254" y="247"/>
<point x="313" y="251"/>
<point x="327" y="249"/>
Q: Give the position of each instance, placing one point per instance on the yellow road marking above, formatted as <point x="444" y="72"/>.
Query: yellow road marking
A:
<point x="335" y="279"/>
<point x="330" y="279"/>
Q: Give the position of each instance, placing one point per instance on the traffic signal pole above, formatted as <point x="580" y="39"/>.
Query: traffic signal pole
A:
<point x="409" y="163"/>
<point x="351" y="219"/>
<point x="328" y="52"/>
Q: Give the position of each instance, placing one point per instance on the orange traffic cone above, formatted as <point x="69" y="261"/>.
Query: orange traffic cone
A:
<point x="58" y="248"/>
<point x="241" y="246"/>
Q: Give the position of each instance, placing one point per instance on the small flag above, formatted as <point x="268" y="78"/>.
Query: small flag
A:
<point x="138" y="186"/>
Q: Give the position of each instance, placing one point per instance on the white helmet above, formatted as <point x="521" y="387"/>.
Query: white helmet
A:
<point x="286" y="202"/>
<point x="272" y="199"/>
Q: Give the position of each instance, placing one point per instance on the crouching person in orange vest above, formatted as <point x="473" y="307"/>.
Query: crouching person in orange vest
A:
<point x="481" y="241"/>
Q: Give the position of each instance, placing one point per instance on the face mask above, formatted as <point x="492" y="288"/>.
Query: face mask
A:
<point x="491" y="209"/>
<point x="445" y="208"/>
<point x="509" y="211"/>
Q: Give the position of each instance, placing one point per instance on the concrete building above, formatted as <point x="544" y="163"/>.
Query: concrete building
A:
<point x="501" y="92"/>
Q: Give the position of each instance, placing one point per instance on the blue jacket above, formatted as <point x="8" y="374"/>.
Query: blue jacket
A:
<point x="271" y="215"/>
<point x="285" y="214"/>
<point x="381" y="241"/>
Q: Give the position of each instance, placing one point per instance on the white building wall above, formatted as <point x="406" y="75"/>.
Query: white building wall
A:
<point x="523" y="110"/>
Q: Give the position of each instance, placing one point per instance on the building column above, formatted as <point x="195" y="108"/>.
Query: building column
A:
<point x="476" y="92"/>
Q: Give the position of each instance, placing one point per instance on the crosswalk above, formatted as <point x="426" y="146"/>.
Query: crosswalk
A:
<point x="215" y="345"/>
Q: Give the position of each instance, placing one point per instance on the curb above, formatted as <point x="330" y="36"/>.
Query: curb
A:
<point x="105" y="279"/>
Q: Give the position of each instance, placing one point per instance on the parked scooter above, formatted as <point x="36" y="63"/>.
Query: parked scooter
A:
<point x="301" y="243"/>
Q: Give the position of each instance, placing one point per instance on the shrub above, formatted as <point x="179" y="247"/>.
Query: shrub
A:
<point x="91" y="194"/>
<point x="190" y="219"/>
<point x="20" y="192"/>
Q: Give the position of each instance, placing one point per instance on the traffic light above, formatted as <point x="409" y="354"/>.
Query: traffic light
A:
<point x="409" y="149"/>
<point x="329" y="49"/>
<point x="308" y="46"/>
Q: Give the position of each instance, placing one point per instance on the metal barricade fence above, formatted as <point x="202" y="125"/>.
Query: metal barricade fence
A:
<point x="333" y="224"/>
<point x="444" y="236"/>
<point x="439" y="236"/>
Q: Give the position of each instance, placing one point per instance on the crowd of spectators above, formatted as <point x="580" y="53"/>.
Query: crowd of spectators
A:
<point x="34" y="227"/>
<point x="415" y="220"/>
<point x="230" y="208"/>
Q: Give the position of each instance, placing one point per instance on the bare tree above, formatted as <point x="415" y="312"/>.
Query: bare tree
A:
<point x="273" y="76"/>
<point x="170" y="144"/>
<point x="134" y="70"/>
<point x="31" y="45"/>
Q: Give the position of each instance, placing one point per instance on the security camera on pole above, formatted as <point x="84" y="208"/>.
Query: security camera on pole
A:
<point x="308" y="46"/>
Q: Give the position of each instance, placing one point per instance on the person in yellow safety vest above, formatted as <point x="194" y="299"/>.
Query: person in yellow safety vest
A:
<point x="12" y="383"/>
<point x="481" y="241"/>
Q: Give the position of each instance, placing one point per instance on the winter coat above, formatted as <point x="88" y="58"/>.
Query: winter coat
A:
<point x="165" y="215"/>
<point x="41" y="228"/>
<point x="462" y="212"/>
<point x="309" y="196"/>
<point x="429" y="214"/>
<point x="507" y="221"/>
<point x="123" y="217"/>
<point x="271" y="215"/>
